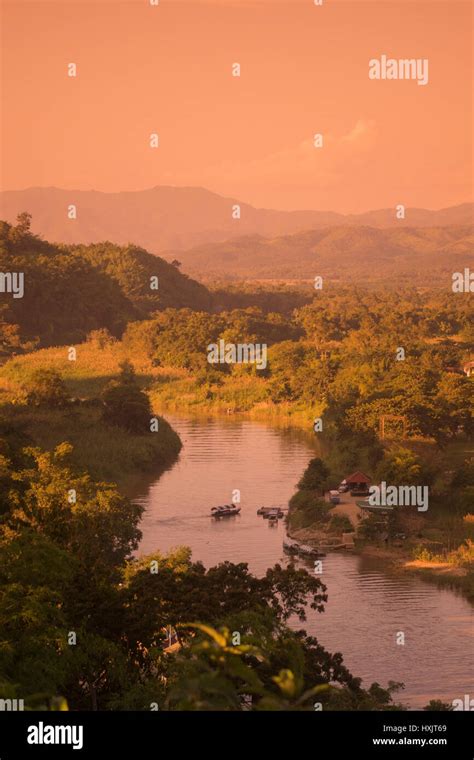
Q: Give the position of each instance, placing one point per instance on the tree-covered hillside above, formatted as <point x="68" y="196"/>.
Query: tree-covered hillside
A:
<point x="67" y="291"/>
<point x="416" y="256"/>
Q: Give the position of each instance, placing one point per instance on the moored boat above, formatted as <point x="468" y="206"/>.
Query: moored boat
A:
<point x="382" y="509"/>
<point x="294" y="547"/>
<point x="290" y="546"/>
<point x="310" y="551"/>
<point x="270" y="512"/>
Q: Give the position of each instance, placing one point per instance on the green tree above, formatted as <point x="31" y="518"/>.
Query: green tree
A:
<point x="453" y="405"/>
<point x="125" y="405"/>
<point x="90" y="520"/>
<point x="402" y="466"/>
<point x="46" y="388"/>
<point x="23" y="223"/>
<point x="315" y="477"/>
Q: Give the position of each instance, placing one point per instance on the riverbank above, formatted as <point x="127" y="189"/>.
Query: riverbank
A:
<point x="441" y="573"/>
<point x="106" y="452"/>
<point x="170" y="389"/>
<point x="118" y="456"/>
<point x="399" y="559"/>
<point x="185" y="395"/>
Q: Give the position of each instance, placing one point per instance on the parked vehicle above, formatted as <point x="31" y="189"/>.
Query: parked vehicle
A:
<point x="334" y="497"/>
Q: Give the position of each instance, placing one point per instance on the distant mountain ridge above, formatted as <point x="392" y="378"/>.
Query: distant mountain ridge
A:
<point x="413" y="255"/>
<point x="178" y="218"/>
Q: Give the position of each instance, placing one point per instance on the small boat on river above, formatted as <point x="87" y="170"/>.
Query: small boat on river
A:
<point x="290" y="546"/>
<point x="271" y="512"/>
<point x="294" y="547"/>
<point x="227" y="510"/>
<point x="310" y="551"/>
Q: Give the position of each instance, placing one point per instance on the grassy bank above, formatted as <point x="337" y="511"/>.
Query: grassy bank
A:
<point x="235" y="394"/>
<point x="108" y="452"/>
<point x="85" y="378"/>
<point x="169" y="388"/>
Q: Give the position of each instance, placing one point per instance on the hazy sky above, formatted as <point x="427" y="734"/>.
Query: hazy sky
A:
<point x="304" y="70"/>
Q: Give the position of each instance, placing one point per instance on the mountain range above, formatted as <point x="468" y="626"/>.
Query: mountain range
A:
<point x="411" y="255"/>
<point x="178" y="218"/>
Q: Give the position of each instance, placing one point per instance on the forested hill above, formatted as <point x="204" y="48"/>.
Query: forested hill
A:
<point x="420" y="256"/>
<point x="71" y="290"/>
<point x="133" y="268"/>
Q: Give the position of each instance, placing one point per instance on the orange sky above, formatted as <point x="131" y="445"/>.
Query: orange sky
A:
<point x="167" y="69"/>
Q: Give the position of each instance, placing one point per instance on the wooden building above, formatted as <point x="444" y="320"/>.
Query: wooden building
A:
<point x="358" y="482"/>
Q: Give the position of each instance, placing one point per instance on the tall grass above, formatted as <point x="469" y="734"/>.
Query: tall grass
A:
<point x="107" y="452"/>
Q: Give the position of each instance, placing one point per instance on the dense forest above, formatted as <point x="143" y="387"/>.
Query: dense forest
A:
<point x="81" y="618"/>
<point x="340" y="351"/>
<point x="71" y="290"/>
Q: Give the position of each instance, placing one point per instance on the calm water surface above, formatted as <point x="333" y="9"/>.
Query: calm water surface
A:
<point x="367" y="604"/>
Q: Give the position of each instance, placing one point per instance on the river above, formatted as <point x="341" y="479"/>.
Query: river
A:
<point x="367" y="603"/>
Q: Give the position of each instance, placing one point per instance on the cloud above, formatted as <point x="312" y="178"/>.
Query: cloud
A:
<point x="302" y="165"/>
<point x="363" y="131"/>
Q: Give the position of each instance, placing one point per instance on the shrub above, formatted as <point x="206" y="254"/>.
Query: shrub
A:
<point x="101" y="338"/>
<point x="340" y="524"/>
<point x="306" y="508"/>
<point x="424" y="555"/>
<point x="463" y="555"/>
<point x="401" y="466"/>
<point x="46" y="388"/>
<point x="315" y="476"/>
<point x="370" y="528"/>
<point x="125" y="404"/>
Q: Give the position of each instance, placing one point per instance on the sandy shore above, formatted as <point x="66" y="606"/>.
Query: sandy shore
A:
<point x="398" y="557"/>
